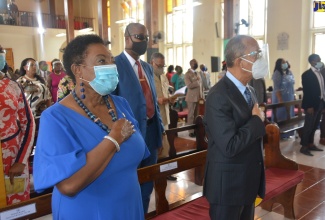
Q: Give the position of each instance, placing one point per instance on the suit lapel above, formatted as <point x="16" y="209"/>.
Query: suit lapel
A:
<point x="235" y="96"/>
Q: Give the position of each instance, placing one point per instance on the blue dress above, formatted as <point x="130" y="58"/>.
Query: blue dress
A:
<point x="64" y="139"/>
<point x="285" y="84"/>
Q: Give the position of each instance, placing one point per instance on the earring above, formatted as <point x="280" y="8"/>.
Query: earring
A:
<point x="82" y="90"/>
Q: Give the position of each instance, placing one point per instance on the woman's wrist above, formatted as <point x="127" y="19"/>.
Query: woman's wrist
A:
<point x="117" y="146"/>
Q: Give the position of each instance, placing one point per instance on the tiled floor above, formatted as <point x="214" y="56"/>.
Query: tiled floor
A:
<point x="310" y="194"/>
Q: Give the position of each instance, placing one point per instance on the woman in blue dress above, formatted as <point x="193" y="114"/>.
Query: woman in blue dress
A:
<point x="89" y="145"/>
<point x="283" y="84"/>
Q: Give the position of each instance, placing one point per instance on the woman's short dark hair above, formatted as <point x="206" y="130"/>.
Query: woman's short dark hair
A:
<point x="170" y="68"/>
<point x="22" y="70"/>
<point x="75" y="52"/>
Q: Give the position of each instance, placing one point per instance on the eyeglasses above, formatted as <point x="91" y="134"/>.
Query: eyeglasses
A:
<point x="141" y="37"/>
<point x="256" y="54"/>
<point x="159" y="66"/>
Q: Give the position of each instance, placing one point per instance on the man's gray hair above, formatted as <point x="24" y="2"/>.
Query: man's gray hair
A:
<point x="234" y="49"/>
<point x="157" y="55"/>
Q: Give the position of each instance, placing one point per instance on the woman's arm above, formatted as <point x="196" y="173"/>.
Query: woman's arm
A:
<point x="96" y="160"/>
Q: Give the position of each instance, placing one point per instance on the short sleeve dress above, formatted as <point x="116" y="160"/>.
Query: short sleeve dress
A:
<point x="64" y="139"/>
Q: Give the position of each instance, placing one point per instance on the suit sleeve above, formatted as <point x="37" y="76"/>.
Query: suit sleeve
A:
<point x="222" y="119"/>
<point x="190" y="83"/>
<point x="307" y="88"/>
<point x="27" y="125"/>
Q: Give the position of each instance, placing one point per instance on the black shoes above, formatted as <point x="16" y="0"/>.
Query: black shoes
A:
<point x="314" y="148"/>
<point x="304" y="150"/>
<point x="172" y="178"/>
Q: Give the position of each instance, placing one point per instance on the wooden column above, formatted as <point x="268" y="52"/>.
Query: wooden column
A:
<point x="52" y="13"/>
<point x="151" y="23"/>
<point x="102" y="19"/>
<point x="229" y="19"/>
<point x="69" y="19"/>
<point x="3" y="197"/>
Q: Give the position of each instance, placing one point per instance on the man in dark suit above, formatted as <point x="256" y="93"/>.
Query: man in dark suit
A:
<point x="136" y="85"/>
<point x="234" y="173"/>
<point x="312" y="103"/>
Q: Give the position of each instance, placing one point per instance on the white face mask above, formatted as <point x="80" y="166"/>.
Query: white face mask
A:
<point x="260" y="68"/>
<point x="319" y="65"/>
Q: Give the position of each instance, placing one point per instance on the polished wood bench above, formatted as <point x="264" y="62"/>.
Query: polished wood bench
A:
<point x="291" y="123"/>
<point x="282" y="177"/>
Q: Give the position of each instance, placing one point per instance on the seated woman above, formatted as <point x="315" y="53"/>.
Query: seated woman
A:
<point x="36" y="92"/>
<point x="93" y="157"/>
<point x="17" y="136"/>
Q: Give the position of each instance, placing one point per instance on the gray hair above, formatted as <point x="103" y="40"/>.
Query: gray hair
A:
<point x="235" y="48"/>
<point x="157" y="55"/>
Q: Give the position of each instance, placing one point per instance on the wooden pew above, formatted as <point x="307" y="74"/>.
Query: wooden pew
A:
<point x="282" y="177"/>
<point x="296" y="122"/>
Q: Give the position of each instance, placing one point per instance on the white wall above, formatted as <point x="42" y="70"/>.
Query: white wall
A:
<point x="292" y="17"/>
<point x="205" y="40"/>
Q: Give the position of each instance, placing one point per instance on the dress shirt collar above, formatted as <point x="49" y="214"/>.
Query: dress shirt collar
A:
<point x="131" y="60"/>
<point x="237" y="83"/>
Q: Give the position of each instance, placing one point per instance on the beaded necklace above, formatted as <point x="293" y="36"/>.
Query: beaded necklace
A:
<point x="93" y="117"/>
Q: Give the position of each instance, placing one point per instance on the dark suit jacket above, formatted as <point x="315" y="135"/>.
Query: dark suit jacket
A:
<point x="130" y="88"/>
<point x="311" y="89"/>
<point x="235" y="170"/>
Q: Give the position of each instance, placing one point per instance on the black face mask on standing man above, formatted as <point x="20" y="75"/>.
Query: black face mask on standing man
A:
<point x="138" y="47"/>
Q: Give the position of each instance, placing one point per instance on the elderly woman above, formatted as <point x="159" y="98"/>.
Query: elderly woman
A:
<point x="17" y="136"/>
<point x="36" y="92"/>
<point x="93" y="157"/>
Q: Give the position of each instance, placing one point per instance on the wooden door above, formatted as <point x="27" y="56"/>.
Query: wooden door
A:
<point x="10" y="58"/>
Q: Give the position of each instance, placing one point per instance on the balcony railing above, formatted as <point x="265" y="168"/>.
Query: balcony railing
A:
<point x="30" y="19"/>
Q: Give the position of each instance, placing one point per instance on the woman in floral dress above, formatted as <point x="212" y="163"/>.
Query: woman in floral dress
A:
<point x="17" y="136"/>
<point x="36" y="92"/>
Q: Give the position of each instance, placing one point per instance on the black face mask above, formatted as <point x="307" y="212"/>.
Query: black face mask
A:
<point x="138" y="47"/>
<point x="195" y="66"/>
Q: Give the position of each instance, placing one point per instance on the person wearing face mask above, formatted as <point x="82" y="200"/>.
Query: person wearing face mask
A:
<point x="17" y="129"/>
<point x="54" y="78"/>
<point x="194" y="92"/>
<point x="92" y="159"/>
<point x="164" y="100"/>
<point x="312" y="103"/>
<point x="205" y="76"/>
<point x="43" y="70"/>
<point x="283" y="90"/>
<point x="136" y="85"/>
<point x="37" y="93"/>
<point x="235" y="127"/>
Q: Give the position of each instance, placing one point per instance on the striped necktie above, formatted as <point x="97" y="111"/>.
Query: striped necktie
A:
<point x="146" y="92"/>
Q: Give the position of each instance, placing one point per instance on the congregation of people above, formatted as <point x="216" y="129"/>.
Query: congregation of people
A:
<point x="103" y="117"/>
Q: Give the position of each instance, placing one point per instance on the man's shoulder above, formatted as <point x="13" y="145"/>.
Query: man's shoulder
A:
<point x="307" y="72"/>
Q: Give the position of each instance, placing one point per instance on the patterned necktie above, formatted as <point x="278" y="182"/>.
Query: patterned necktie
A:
<point x="146" y="91"/>
<point x="248" y="97"/>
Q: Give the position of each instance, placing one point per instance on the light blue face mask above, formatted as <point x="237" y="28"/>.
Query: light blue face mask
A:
<point x="319" y="65"/>
<point x="2" y="61"/>
<point x="106" y="79"/>
<point x="284" y="66"/>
